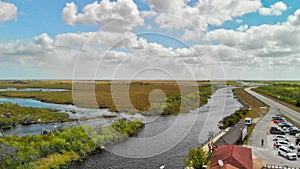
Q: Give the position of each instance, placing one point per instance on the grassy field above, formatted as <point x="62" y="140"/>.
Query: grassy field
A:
<point x="283" y="91"/>
<point x="19" y="113"/>
<point x="139" y="92"/>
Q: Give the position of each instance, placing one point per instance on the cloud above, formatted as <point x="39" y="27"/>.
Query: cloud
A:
<point x="92" y="50"/>
<point x="44" y="40"/>
<point x="242" y="28"/>
<point x="119" y="16"/>
<point x="8" y="11"/>
<point x="148" y="14"/>
<point x="239" y="21"/>
<point x="295" y="19"/>
<point x="117" y="50"/>
<point x="275" y="9"/>
<point x="194" y="20"/>
<point x="270" y="47"/>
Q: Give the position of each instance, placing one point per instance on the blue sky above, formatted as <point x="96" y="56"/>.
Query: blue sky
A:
<point x="38" y="16"/>
<point x="43" y="20"/>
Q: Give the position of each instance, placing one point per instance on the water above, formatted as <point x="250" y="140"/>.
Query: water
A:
<point x="35" y="129"/>
<point x="29" y="89"/>
<point x="64" y="108"/>
<point x="156" y="144"/>
<point x="164" y="140"/>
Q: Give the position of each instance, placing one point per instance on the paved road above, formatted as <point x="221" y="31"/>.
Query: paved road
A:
<point x="266" y="153"/>
<point x="283" y="109"/>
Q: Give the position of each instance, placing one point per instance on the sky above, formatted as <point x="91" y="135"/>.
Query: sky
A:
<point x="150" y="39"/>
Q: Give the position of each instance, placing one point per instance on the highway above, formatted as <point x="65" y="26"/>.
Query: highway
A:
<point x="275" y="105"/>
<point x="266" y="152"/>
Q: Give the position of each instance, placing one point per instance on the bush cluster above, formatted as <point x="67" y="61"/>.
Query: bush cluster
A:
<point x="61" y="149"/>
<point x="233" y="119"/>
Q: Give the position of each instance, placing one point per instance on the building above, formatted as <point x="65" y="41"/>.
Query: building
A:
<point x="235" y="135"/>
<point x="232" y="156"/>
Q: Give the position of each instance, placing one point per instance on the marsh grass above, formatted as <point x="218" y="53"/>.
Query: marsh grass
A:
<point x="139" y="92"/>
<point x="18" y="113"/>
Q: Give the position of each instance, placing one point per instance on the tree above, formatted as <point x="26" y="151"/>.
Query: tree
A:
<point x="196" y="158"/>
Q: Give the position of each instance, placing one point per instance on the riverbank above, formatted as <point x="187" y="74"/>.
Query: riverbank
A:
<point x="257" y="109"/>
<point x="159" y="142"/>
<point x="13" y="114"/>
<point x="162" y="123"/>
<point x="63" y="148"/>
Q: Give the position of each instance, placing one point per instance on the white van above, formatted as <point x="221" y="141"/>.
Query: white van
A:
<point x="248" y="121"/>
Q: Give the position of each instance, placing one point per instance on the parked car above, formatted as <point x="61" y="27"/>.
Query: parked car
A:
<point x="275" y="117"/>
<point x="280" y="143"/>
<point x="298" y="151"/>
<point x="287" y="129"/>
<point x="287" y="126"/>
<point x="287" y="153"/>
<point x="283" y="123"/>
<point x="297" y="141"/>
<point x="281" y="137"/>
<point x="294" y="131"/>
<point x="275" y="130"/>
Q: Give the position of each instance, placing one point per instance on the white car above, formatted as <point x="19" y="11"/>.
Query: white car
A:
<point x="281" y="137"/>
<point x="287" y="153"/>
<point x="280" y="143"/>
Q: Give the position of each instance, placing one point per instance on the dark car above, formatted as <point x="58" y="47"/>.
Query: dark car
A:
<point x="294" y="131"/>
<point x="276" y="117"/>
<point x="297" y="141"/>
<point x="275" y="130"/>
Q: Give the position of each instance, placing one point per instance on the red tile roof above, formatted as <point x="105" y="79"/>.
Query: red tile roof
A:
<point x="226" y="166"/>
<point x="238" y="156"/>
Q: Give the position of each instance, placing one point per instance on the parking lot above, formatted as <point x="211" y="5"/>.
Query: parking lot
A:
<point x="291" y="138"/>
<point x="267" y="153"/>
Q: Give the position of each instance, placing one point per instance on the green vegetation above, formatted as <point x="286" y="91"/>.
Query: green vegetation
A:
<point x="285" y="91"/>
<point x="233" y="119"/>
<point x="197" y="158"/>
<point x="178" y="104"/>
<point x="19" y="114"/>
<point x="139" y="92"/>
<point x="51" y="84"/>
<point x="63" y="148"/>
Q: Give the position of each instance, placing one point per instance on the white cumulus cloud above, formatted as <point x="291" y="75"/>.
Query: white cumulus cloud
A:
<point x="272" y="47"/>
<point x="275" y="9"/>
<point x="194" y="20"/>
<point x="8" y="11"/>
<point x="119" y="16"/>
